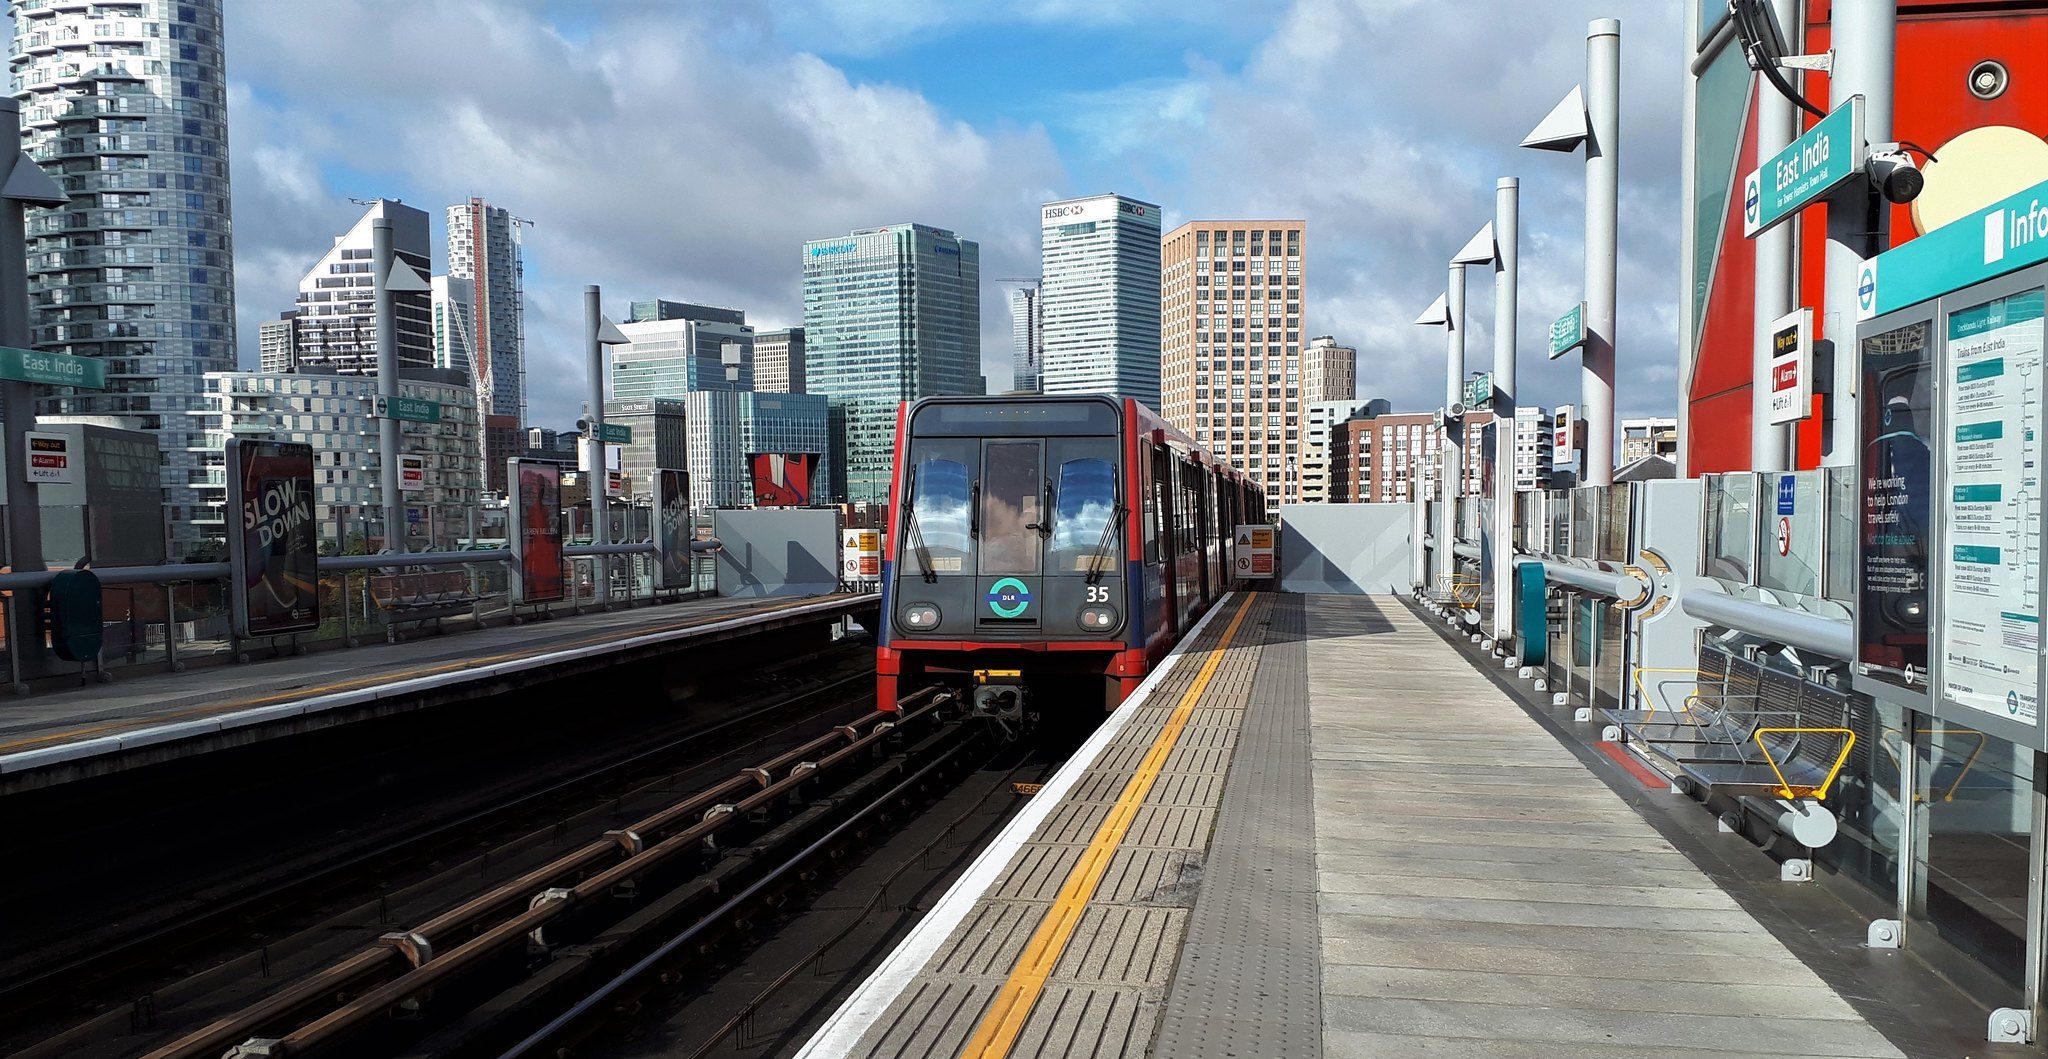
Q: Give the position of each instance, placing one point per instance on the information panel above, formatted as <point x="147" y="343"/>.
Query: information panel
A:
<point x="1990" y="621"/>
<point x="1895" y="487"/>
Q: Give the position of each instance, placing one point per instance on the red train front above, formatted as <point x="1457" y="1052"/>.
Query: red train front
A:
<point x="1046" y="552"/>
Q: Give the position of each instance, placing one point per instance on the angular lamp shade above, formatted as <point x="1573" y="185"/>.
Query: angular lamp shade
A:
<point x="1564" y="128"/>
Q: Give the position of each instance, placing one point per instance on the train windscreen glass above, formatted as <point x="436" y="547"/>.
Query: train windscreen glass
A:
<point x="1012" y="495"/>
<point x="1082" y="534"/>
<point x="937" y="529"/>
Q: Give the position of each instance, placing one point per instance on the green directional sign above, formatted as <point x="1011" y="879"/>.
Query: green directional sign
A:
<point x="615" y="434"/>
<point x="1568" y="332"/>
<point x="1479" y="390"/>
<point x="51" y="369"/>
<point x="411" y="409"/>
<point x="2006" y="236"/>
<point x="1806" y="170"/>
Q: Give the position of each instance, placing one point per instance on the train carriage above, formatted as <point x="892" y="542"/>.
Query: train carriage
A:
<point x="1046" y="551"/>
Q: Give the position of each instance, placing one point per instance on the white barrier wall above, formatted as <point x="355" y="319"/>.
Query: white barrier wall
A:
<point x="1350" y="549"/>
<point x="777" y="551"/>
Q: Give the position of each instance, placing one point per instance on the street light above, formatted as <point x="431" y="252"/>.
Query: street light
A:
<point x="598" y="332"/>
<point x="1592" y="118"/>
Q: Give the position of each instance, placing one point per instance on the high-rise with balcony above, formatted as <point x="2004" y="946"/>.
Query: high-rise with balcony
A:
<point x="1099" y="297"/>
<point x="483" y="249"/>
<point x="891" y="314"/>
<point x="336" y="319"/>
<point x="1231" y="373"/>
<point x="125" y="105"/>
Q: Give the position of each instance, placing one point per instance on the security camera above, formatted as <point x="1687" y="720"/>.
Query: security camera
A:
<point x="1894" y="173"/>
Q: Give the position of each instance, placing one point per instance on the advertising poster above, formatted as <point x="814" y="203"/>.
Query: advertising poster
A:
<point x="782" y="479"/>
<point x="1894" y="493"/>
<point x="1990" y="563"/>
<point x="672" y="527"/>
<point x="536" y="534"/>
<point x="271" y="547"/>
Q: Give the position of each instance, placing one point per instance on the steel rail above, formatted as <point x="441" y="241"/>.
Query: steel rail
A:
<point x="470" y="915"/>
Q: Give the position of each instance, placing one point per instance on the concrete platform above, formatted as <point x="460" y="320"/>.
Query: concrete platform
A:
<point x="1321" y="831"/>
<point x="62" y="736"/>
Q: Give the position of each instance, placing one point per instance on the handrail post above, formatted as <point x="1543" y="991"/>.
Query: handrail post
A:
<point x="171" y="628"/>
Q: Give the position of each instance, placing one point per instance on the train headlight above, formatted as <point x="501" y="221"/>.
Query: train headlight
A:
<point x="1098" y="619"/>
<point x="921" y="616"/>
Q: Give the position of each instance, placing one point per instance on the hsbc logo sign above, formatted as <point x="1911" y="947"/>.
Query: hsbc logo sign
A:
<point x="1102" y="209"/>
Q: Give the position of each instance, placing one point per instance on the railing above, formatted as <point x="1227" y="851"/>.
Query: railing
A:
<point x="172" y="615"/>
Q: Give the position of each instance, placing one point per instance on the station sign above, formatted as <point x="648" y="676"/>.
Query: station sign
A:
<point x="412" y="473"/>
<point x="1806" y="170"/>
<point x="1254" y="551"/>
<point x="1792" y="366"/>
<point x="1562" y="442"/>
<point x="614" y="434"/>
<point x="1568" y="332"/>
<point x="1479" y="390"/>
<point x="51" y="460"/>
<point x="52" y="369"/>
<point x="614" y="484"/>
<point x="2003" y="237"/>
<point x="406" y="409"/>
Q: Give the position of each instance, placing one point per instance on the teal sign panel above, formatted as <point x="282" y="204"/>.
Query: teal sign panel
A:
<point x="615" y="434"/>
<point x="1479" y="390"/>
<point x="51" y="369"/>
<point x="1806" y="170"/>
<point x="1568" y="332"/>
<point x="414" y="409"/>
<point x="2003" y="237"/>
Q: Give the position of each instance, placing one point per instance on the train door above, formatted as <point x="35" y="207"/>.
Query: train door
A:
<point x="1010" y="522"/>
<point x="1163" y="494"/>
<point x="1205" y="525"/>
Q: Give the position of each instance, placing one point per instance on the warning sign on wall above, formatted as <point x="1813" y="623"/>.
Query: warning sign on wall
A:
<point x="1253" y="551"/>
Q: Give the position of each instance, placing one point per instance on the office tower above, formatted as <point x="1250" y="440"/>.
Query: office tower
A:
<point x="337" y="303"/>
<point x="138" y="269"/>
<point x="454" y="314"/>
<point x="678" y="348"/>
<point x="1329" y="372"/>
<point x="332" y="412"/>
<point x="1533" y="448"/>
<point x="733" y="432"/>
<point x="891" y="314"/>
<point x="660" y="438"/>
<point x="1099" y="297"/>
<point x="1027" y="335"/>
<point x="1230" y="306"/>
<point x="483" y="248"/>
<point x="779" y="361"/>
<point x="277" y="348"/>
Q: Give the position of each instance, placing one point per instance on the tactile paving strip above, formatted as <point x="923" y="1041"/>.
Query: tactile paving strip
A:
<point x="1249" y="977"/>
<point x="1104" y="995"/>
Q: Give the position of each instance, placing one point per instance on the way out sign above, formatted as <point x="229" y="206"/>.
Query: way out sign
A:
<point x="1253" y="551"/>
<point x="1792" y="366"/>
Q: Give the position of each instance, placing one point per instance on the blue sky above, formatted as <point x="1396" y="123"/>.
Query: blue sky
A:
<point x="686" y="150"/>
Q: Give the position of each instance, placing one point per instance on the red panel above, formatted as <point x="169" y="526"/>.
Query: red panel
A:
<point x="1713" y="445"/>
<point x="1720" y="441"/>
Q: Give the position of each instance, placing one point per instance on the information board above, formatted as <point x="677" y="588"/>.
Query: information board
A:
<point x="1792" y="366"/>
<point x="1990" y="621"/>
<point x="860" y="555"/>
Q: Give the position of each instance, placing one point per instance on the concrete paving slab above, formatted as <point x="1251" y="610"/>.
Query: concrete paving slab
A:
<point x="1673" y="995"/>
<point x="1649" y="1032"/>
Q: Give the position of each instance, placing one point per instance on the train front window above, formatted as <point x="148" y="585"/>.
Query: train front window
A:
<point x="1084" y="517"/>
<point x="937" y="531"/>
<point x="1011" y="527"/>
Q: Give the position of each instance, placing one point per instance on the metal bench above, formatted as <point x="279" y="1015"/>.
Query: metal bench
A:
<point x="419" y="598"/>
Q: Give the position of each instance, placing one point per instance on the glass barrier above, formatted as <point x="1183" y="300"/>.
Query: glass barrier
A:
<point x="1974" y="800"/>
<point x="1585" y="533"/>
<point x="1730" y="532"/>
<point x="1840" y="581"/>
<point x="1614" y="523"/>
<point x="1792" y="540"/>
<point x="1558" y="507"/>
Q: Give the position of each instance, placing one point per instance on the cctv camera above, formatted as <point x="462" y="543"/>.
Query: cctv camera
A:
<point x="1894" y="173"/>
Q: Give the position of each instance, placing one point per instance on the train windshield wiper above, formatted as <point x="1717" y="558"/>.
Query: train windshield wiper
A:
<point x="915" y="534"/>
<point x="1100" y="557"/>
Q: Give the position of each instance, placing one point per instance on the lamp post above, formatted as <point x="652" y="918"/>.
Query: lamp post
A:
<point x="1448" y="312"/>
<point x="1592" y="116"/>
<point x="1507" y="224"/>
<point x="598" y="333"/>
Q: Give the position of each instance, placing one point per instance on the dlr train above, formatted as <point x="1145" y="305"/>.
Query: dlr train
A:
<point x="1046" y="552"/>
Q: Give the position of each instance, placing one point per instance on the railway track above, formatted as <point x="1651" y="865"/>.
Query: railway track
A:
<point x="505" y="962"/>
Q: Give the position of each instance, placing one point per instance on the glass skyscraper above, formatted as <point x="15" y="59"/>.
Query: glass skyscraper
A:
<point x="125" y="105"/>
<point x="728" y="429"/>
<point x="1099" y="299"/>
<point x="678" y="348"/>
<point x="891" y="314"/>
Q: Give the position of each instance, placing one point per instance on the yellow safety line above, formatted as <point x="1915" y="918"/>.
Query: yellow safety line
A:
<point x="130" y="723"/>
<point x="999" y="1028"/>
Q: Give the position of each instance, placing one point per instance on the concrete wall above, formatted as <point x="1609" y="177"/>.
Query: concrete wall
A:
<point x="1346" y="548"/>
<point x="777" y="552"/>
